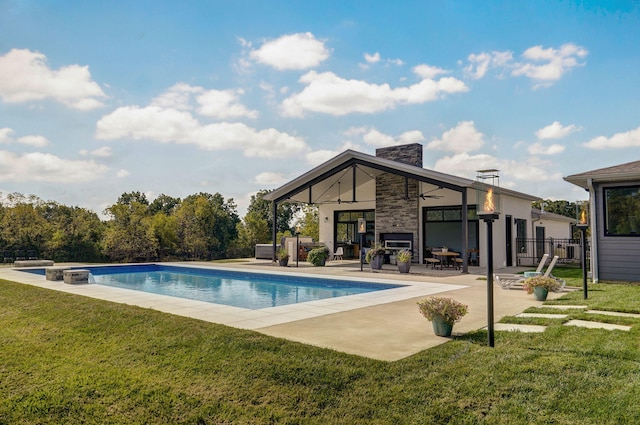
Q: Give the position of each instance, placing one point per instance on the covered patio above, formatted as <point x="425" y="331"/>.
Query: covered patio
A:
<point x="402" y="203"/>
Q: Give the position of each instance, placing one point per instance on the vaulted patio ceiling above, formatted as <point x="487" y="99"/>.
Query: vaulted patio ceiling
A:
<point x="336" y="179"/>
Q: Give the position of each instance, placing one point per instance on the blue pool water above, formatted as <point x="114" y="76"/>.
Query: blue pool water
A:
<point x="228" y="287"/>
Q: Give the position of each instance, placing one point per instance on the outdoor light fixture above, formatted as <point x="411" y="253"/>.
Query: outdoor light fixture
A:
<point x="582" y="216"/>
<point x="488" y="208"/>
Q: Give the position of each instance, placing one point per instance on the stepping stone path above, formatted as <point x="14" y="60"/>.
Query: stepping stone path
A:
<point x="509" y="327"/>
<point x="580" y="323"/>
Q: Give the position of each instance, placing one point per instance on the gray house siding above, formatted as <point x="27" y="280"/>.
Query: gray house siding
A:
<point x="618" y="256"/>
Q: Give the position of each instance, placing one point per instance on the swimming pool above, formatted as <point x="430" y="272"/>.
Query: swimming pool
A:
<point x="228" y="287"/>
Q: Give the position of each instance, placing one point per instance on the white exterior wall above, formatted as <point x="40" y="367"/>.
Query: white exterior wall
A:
<point x="553" y="229"/>
<point x="326" y="217"/>
<point x="517" y="208"/>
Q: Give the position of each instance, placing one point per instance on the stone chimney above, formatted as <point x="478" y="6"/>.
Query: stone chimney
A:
<point x="408" y="154"/>
<point x="395" y="213"/>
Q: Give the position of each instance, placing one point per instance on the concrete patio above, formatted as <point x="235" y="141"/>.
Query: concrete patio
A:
<point x="385" y="326"/>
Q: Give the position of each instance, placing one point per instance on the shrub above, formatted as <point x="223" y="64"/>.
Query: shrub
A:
<point x="448" y="309"/>
<point x="403" y="256"/>
<point x="550" y="283"/>
<point x="318" y="256"/>
<point x="376" y="249"/>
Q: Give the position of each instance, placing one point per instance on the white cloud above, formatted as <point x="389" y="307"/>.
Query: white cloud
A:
<point x="480" y="64"/>
<point x="374" y="58"/>
<point x="428" y="72"/>
<point x="543" y="66"/>
<point x="465" y="165"/>
<point x="177" y="97"/>
<point x="173" y="126"/>
<point x="122" y="174"/>
<point x="327" y="93"/>
<point x="555" y="131"/>
<point x="25" y="77"/>
<point x="629" y="139"/>
<point x="6" y="137"/>
<point x="462" y="138"/>
<point x="223" y="104"/>
<point x="373" y="137"/>
<point x="36" y="141"/>
<point x="318" y="157"/>
<point x="293" y="51"/>
<point x="102" y="152"/>
<point x="270" y="179"/>
<point x="41" y="167"/>
<point x="546" y="66"/>
<point x="539" y="149"/>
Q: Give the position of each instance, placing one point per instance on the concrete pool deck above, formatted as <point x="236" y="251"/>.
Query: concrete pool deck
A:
<point x="383" y="325"/>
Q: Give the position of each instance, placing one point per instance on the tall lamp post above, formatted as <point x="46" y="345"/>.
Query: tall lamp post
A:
<point x="362" y="229"/>
<point x="582" y="212"/>
<point x="488" y="197"/>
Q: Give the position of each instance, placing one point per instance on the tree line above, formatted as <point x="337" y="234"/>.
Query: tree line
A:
<point x="202" y="226"/>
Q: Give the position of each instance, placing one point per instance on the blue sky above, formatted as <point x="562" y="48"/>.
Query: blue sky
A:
<point x="101" y="98"/>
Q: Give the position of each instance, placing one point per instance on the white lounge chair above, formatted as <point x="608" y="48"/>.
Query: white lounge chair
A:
<point x="506" y="281"/>
<point x="338" y="254"/>
<point x="547" y="273"/>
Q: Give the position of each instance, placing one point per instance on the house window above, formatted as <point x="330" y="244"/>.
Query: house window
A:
<point x="521" y="235"/>
<point x="346" y="229"/>
<point x="449" y="213"/>
<point x="622" y="211"/>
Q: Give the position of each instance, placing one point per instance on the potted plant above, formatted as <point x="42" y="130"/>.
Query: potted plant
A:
<point x="375" y="257"/>
<point x="283" y="256"/>
<point x="318" y="256"/>
<point x="540" y="286"/>
<point x="404" y="260"/>
<point x="442" y="312"/>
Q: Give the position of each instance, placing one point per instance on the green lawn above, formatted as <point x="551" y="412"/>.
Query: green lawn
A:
<point x="70" y="359"/>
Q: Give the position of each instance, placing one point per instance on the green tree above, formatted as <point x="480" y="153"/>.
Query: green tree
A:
<point x="310" y="223"/>
<point x="76" y="234"/>
<point x="165" y="204"/>
<point x="128" y="198"/>
<point x="128" y="236"/>
<point x="260" y="208"/>
<point x="164" y="228"/>
<point x="207" y="226"/>
<point x="23" y="228"/>
<point x="560" y="207"/>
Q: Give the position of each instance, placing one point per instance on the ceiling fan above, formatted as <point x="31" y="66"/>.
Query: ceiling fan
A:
<point x="426" y="195"/>
<point x="339" y="195"/>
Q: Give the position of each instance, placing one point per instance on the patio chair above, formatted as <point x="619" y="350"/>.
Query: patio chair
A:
<point x="506" y="281"/>
<point x="430" y="260"/>
<point x="547" y="273"/>
<point x="338" y="255"/>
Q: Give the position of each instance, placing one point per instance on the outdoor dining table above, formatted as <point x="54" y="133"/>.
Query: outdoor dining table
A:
<point x="446" y="256"/>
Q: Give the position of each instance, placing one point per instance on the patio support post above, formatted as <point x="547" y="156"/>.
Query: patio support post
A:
<point x="274" y="231"/>
<point x="465" y="233"/>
